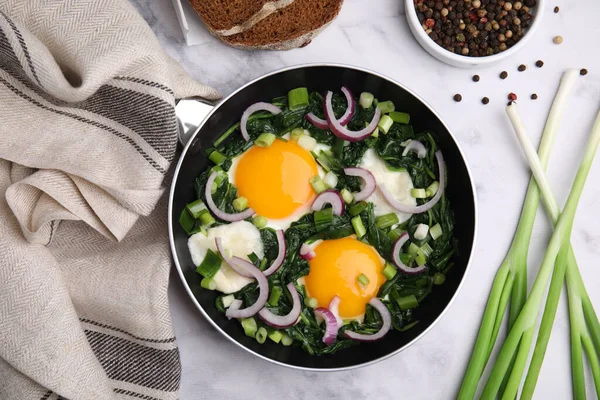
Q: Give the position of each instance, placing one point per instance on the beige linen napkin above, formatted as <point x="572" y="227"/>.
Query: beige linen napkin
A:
<point x="87" y="135"/>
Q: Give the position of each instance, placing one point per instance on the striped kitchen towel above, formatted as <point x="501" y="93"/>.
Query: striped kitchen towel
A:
<point x="87" y="136"/>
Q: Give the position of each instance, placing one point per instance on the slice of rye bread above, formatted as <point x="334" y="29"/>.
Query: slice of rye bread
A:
<point x="228" y="17"/>
<point x="289" y="27"/>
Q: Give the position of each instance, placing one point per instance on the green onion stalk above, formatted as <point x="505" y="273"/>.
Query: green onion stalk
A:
<point x="510" y="282"/>
<point x="585" y="328"/>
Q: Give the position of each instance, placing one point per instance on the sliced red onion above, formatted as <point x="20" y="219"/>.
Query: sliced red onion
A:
<point x="417" y="147"/>
<point x="387" y="323"/>
<point x="307" y="252"/>
<point x="332" y="197"/>
<point x="331" y="325"/>
<point x="242" y="271"/>
<point x="234" y="310"/>
<point x="396" y="257"/>
<point x="368" y="179"/>
<point x="317" y="122"/>
<point x="273" y="109"/>
<point x="283" y="321"/>
<point x="424" y="207"/>
<point x="350" y="109"/>
<point x="278" y="262"/>
<point x="334" y="307"/>
<point x="221" y="214"/>
<point x="336" y="127"/>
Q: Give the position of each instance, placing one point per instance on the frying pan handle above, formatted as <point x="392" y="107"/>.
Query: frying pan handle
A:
<point x="190" y="114"/>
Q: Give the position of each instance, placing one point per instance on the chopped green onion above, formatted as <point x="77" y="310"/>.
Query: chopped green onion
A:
<point x="420" y="258"/>
<point x="385" y="123"/>
<point x="286" y="340"/>
<point x="408" y="302"/>
<point x="426" y="249"/>
<point x="274" y="296"/>
<point x="418" y="193"/>
<point x="317" y="183"/>
<point x="297" y="98"/>
<point x="296" y="134"/>
<point x="330" y="179"/>
<point x="221" y="176"/>
<point x="436" y="231"/>
<point x="387" y="220"/>
<point x="206" y="219"/>
<point x="186" y="221"/>
<point x="438" y="278"/>
<point x="249" y="325"/>
<point x="366" y="100"/>
<point x="275" y="336"/>
<point x="386" y="106"/>
<point x="211" y="264"/>
<point x="363" y="280"/>
<point x="216" y="168"/>
<point x="208" y="283"/>
<point x="311" y="302"/>
<point x="323" y="218"/>
<point x="217" y="157"/>
<point x="323" y="160"/>
<point x="240" y="204"/>
<point x="195" y="208"/>
<point x="307" y="142"/>
<point x="375" y="133"/>
<point x="265" y="139"/>
<point x="358" y="208"/>
<point x="259" y="221"/>
<point x="263" y="264"/>
<point x="389" y="271"/>
<point x="358" y="226"/>
<point x="261" y="335"/>
<point x="421" y="231"/>
<point x="413" y="249"/>
<point x="400" y="117"/>
<point x="394" y="234"/>
<point x="422" y="282"/>
<point x="347" y="196"/>
<point x="227" y="300"/>
<point x="433" y="188"/>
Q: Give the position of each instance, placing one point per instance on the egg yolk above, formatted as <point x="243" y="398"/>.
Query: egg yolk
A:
<point x="335" y="270"/>
<point x="276" y="179"/>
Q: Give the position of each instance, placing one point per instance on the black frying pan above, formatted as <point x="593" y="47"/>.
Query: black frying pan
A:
<point x="322" y="78"/>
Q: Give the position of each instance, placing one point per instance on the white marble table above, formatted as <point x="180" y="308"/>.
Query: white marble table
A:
<point x="374" y="34"/>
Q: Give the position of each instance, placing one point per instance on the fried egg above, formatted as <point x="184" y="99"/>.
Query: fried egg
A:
<point x="276" y="181"/>
<point x="398" y="183"/>
<point x="241" y="238"/>
<point x="335" y="269"/>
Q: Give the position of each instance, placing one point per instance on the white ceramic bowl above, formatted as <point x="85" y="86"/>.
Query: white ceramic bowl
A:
<point x="465" y="61"/>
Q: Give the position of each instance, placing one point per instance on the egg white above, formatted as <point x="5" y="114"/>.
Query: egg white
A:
<point x="398" y="183"/>
<point x="240" y="238"/>
<point x="282" y="223"/>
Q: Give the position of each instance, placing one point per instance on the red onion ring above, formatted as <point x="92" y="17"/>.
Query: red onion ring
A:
<point x="367" y="177"/>
<point x="332" y="197"/>
<point x="278" y="262"/>
<point x="227" y="259"/>
<point x="334" y="307"/>
<point x="396" y="257"/>
<point x="324" y="125"/>
<point x="261" y="106"/>
<point x="331" y="325"/>
<point x="417" y="147"/>
<point x="307" y="252"/>
<point x="221" y="214"/>
<point x="283" y="321"/>
<point x="234" y="310"/>
<point x="387" y="323"/>
<point x="424" y="207"/>
<point x="344" y="133"/>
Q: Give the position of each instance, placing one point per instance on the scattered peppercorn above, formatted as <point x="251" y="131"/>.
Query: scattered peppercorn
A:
<point x="485" y="100"/>
<point x="475" y="78"/>
<point x="583" y="71"/>
<point x="557" y="39"/>
<point x="457" y="97"/>
<point x="522" y="67"/>
<point x="556" y="10"/>
<point x="534" y="96"/>
<point x="503" y="75"/>
<point x="512" y="97"/>
<point x="539" y="63"/>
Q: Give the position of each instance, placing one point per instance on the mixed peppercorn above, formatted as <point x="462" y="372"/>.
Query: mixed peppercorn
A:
<point x="475" y="28"/>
